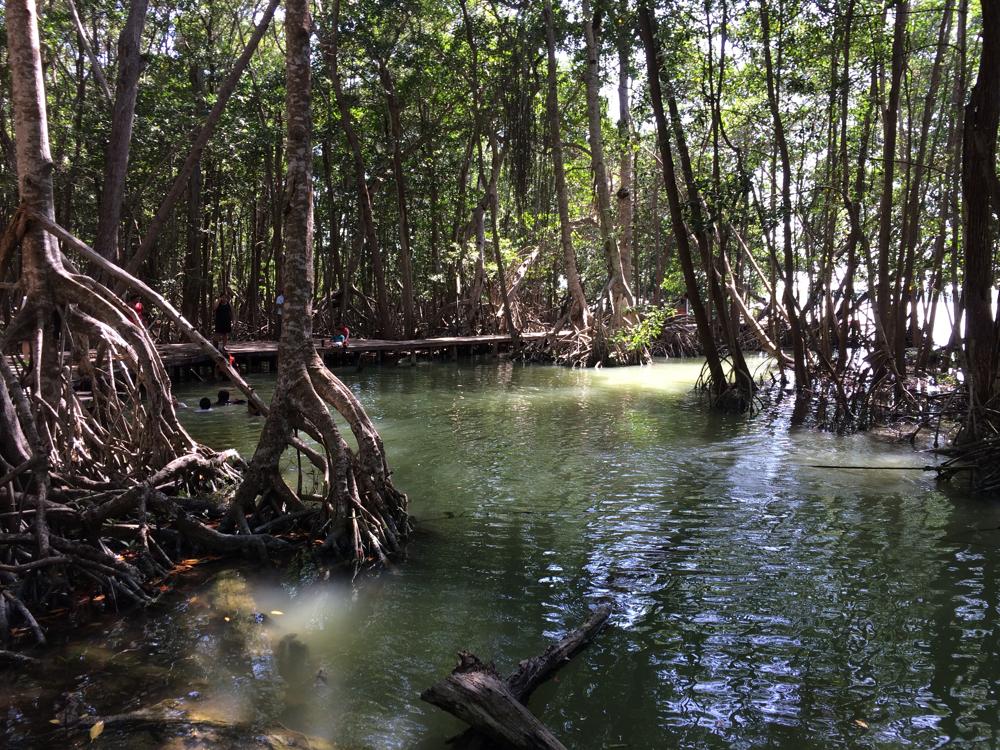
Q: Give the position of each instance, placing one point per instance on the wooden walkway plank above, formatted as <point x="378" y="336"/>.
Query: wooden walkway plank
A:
<point x="186" y="354"/>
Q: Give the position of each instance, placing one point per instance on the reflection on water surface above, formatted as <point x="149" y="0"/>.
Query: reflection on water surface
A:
<point x="759" y="602"/>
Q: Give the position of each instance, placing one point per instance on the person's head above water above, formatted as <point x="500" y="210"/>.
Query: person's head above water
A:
<point x="205" y="404"/>
<point x="223" y="398"/>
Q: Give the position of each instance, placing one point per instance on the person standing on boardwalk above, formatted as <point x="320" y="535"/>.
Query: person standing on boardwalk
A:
<point x="279" y="309"/>
<point x="223" y="319"/>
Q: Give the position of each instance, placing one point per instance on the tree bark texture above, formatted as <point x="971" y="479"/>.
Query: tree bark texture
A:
<point x="130" y="66"/>
<point x="363" y="515"/>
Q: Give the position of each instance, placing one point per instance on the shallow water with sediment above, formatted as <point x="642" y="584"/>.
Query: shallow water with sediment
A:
<point x="758" y="600"/>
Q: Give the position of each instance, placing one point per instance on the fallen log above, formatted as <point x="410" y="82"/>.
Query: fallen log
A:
<point x="476" y="694"/>
<point x="532" y="672"/>
<point x="494" y="707"/>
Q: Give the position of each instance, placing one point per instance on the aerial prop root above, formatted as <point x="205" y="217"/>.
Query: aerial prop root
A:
<point x="361" y="516"/>
<point x="128" y="407"/>
<point x="735" y="397"/>
<point x="90" y="446"/>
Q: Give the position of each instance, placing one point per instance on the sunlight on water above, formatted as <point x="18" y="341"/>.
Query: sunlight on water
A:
<point x="759" y="600"/>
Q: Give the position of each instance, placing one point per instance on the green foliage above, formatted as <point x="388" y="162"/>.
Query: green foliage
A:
<point x="445" y="141"/>
<point x="641" y="336"/>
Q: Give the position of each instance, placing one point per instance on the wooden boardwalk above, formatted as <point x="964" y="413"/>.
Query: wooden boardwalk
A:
<point x="178" y="358"/>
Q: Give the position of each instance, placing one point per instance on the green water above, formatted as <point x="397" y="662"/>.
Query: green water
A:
<point x="758" y="602"/>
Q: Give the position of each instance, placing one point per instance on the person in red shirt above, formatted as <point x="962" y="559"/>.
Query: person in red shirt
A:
<point x="342" y="334"/>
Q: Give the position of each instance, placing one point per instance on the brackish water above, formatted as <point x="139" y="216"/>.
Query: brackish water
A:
<point x="759" y="602"/>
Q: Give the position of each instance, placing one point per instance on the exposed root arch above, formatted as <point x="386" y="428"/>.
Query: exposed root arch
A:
<point x="360" y="515"/>
<point x="91" y="446"/>
<point x="99" y="391"/>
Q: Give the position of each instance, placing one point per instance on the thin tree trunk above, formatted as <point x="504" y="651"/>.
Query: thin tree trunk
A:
<point x="701" y="230"/>
<point x="405" y="255"/>
<point x="579" y="312"/>
<point x="911" y="220"/>
<point x="95" y="64"/>
<point x="659" y="254"/>
<point x="383" y="324"/>
<point x="791" y="305"/>
<point x="164" y="212"/>
<point x="498" y="256"/>
<point x="619" y="291"/>
<point x="192" y="277"/>
<point x="116" y="157"/>
<point x="626" y="202"/>
<point x="883" y="301"/>
<point x="647" y="30"/>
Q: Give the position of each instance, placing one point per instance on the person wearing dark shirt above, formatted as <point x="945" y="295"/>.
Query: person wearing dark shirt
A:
<point x="224" y="400"/>
<point x="223" y="319"/>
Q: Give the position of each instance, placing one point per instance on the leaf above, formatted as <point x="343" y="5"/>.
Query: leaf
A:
<point x="277" y="612"/>
<point x="55" y="721"/>
<point x="861" y="723"/>
<point x="96" y="730"/>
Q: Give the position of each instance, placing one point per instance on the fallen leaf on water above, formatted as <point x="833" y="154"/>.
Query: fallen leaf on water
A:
<point x="277" y="612"/>
<point x="55" y="721"/>
<point x="861" y="723"/>
<point x="96" y="730"/>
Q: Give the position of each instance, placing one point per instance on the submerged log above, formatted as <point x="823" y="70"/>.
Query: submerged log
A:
<point x="494" y="707"/>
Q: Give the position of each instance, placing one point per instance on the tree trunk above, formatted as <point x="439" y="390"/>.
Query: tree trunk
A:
<point x="95" y="64"/>
<point x="981" y="191"/>
<point x="498" y="255"/>
<point x="791" y="304"/>
<point x="116" y="159"/>
<point x="618" y="289"/>
<point x="383" y="323"/>
<point x="911" y="221"/>
<point x="362" y="515"/>
<point x="647" y="30"/>
<point x="128" y="427"/>
<point x="495" y="706"/>
<point x="701" y="231"/>
<point x="164" y="212"/>
<point x="405" y="255"/>
<point x="192" y="278"/>
<point x="626" y="202"/>
<point x="579" y="312"/>
<point x="335" y="260"/>
<point x="882" y="299"/>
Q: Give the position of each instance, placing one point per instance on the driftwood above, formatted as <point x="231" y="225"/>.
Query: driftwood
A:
<point x="494" y="707"/>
